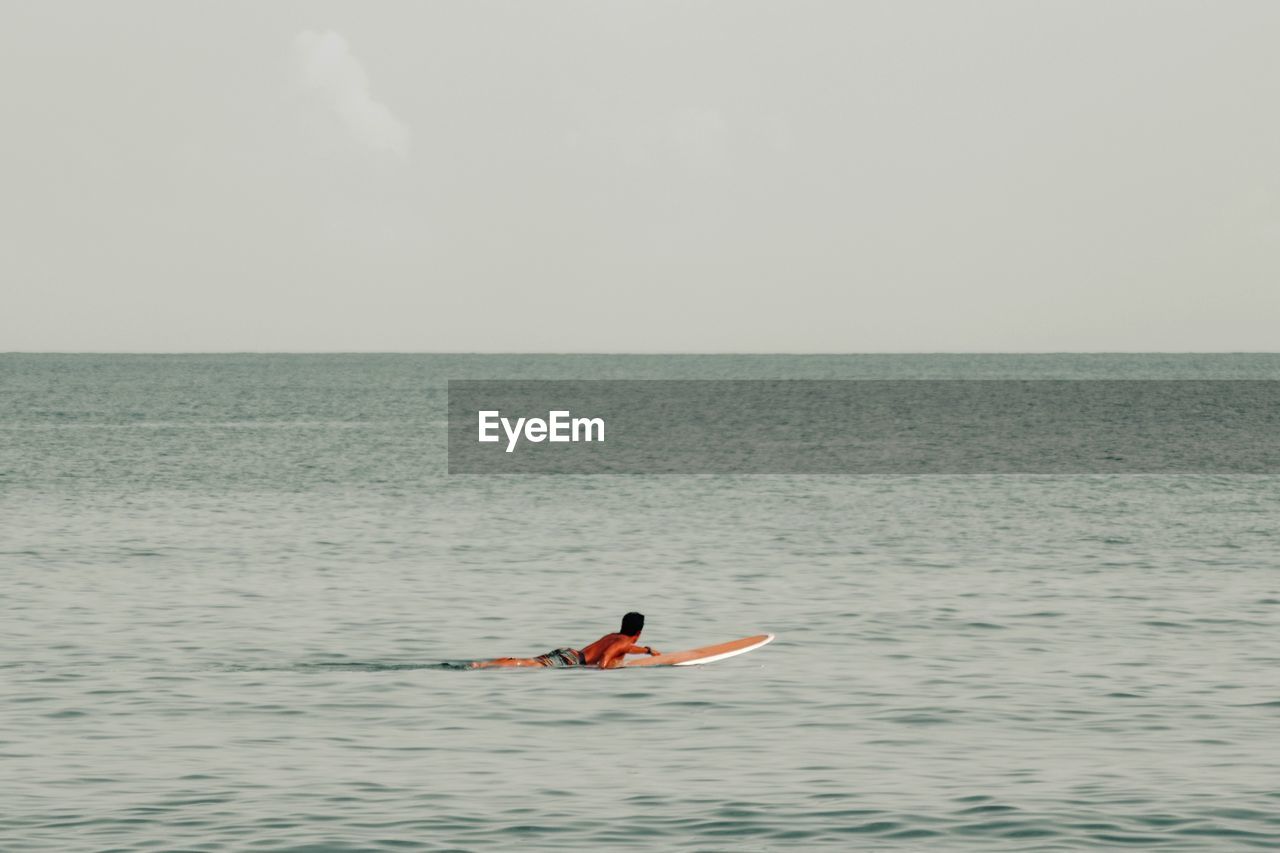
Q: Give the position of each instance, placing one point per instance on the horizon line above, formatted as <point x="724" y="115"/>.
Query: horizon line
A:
<point x="641" y="352"/>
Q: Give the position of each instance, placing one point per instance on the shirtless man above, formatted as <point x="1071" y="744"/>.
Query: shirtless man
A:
<point x="605" y="653"/>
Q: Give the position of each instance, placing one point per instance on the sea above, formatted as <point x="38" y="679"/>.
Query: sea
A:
<point x="235" y="589"/>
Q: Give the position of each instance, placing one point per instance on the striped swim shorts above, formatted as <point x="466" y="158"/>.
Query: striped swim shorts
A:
<point x="562" y="657"/>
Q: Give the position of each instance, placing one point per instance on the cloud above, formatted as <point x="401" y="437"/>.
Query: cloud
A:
<point x="325" y="65"/>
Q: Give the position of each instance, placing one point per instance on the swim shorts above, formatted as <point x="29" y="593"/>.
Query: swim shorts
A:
<point x="562" y="657"/>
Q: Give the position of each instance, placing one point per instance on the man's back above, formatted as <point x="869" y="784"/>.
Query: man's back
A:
<point x="608" y="648"/>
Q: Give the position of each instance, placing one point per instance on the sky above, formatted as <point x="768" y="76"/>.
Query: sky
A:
<point x="641" y="176"/>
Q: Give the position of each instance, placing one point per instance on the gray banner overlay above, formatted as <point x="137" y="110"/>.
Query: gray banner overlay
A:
<point x="866" y="426"/>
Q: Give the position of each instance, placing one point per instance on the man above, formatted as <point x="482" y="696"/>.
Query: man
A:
<point x="605" y="653"/>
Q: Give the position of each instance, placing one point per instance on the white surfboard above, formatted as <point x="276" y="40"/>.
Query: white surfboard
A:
<point x="706" y="654"/>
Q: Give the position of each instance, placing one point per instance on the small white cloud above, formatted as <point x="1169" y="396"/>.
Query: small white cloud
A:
<point x="325" y="65"/>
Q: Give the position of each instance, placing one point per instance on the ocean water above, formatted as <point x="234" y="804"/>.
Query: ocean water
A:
<point x="229" y="584"/>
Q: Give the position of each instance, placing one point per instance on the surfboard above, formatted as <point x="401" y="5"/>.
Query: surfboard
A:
<point x="706" y="654"/>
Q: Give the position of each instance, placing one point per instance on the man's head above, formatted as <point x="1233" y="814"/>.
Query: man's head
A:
<point x="632" y="624"/>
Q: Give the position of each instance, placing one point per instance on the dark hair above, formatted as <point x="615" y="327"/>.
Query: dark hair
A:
<point x="632" y="624"/>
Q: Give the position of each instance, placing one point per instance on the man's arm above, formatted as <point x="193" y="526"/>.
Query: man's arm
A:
<point x="614" y="654"/>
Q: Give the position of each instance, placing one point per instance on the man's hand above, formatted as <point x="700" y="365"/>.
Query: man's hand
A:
<point x="651" y="652"/>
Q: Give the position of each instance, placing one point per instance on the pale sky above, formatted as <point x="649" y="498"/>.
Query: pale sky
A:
<point x="691" y="176"/>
